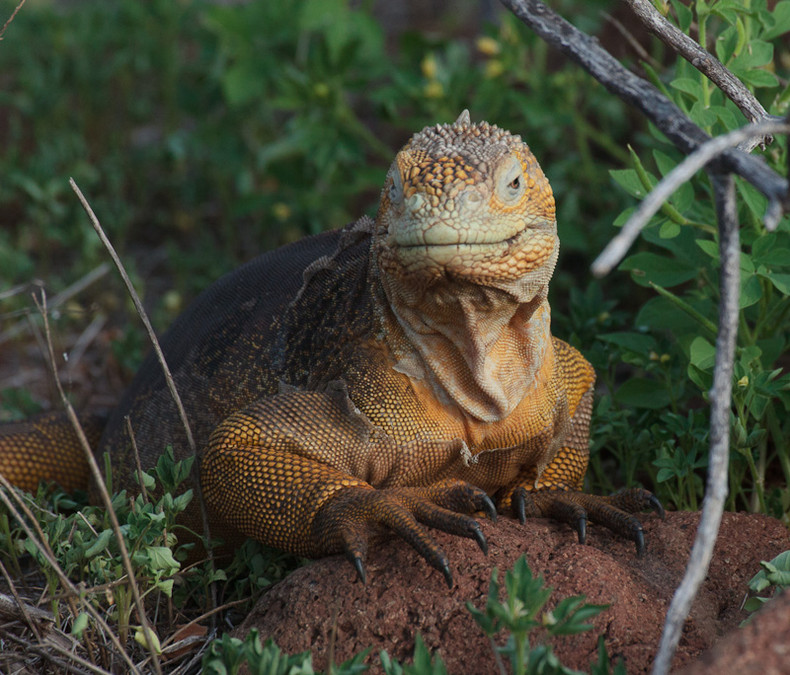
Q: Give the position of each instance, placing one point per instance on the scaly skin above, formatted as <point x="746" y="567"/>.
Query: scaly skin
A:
<point x="393" y="375"/>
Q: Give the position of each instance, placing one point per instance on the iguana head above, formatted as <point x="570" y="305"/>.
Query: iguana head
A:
<point x="466" y="201"/>
<point x="465" y="243"/>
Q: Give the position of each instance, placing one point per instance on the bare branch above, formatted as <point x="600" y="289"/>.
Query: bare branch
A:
<point x="720" y="400"/>
<point x="668" y="118"/>
<point x="704" y="61"/>
<point x="705" y="154"/>
<point x="165" y="369"/>
<point x="11" y="18"/>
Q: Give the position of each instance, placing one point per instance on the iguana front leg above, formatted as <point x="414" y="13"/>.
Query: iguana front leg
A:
<point x="295" y="470"/>
<point x="556" y="492"/>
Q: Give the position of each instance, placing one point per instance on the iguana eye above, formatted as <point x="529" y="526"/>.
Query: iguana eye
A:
<point x="510" y="181"/>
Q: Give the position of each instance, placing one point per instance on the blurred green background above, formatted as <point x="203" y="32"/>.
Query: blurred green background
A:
<point x="204" y="133"/>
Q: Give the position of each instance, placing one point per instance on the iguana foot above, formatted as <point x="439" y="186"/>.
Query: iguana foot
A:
<point x="347" y="520"/>
<point x="575" y="508"/>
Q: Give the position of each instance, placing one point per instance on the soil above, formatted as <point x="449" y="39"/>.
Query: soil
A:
<point x="760" y="648"/>
<point x="323" y="608"/>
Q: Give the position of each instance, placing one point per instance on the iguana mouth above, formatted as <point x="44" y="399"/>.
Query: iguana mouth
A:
<point x="466" y="245"/>
<point x="443" y="236"/>
<point x="511" y="257"/>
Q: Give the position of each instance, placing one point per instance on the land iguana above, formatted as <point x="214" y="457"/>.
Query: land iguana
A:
<point x="394" y="375"/>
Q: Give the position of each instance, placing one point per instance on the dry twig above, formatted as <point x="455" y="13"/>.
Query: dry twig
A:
<point x="668" y="118"/>
<point x="40" y="542"/>
<point x="720" y="400"/>
<point x="165" y="369"/>
<point x="102" y="488"/>
<point x="704" y="61"/>
<point x="705" y="154"/>
<point x="11" y="18"/>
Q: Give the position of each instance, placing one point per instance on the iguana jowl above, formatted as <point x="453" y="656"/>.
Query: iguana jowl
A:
<point x="398" y="373"/>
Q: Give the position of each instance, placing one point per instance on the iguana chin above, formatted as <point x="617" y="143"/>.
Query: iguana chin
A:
<point x="397" y="374"/>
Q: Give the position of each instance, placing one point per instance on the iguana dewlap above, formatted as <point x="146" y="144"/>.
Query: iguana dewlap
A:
<point x="396" y="374"/>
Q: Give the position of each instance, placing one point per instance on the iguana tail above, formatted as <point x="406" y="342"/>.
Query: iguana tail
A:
<point x="47" y="448"/>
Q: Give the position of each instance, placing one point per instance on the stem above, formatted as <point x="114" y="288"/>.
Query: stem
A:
<point x="703" y="40"/>
<point x="759" y="489"/>
<point x="780" y="442"/>
<point x="520" y="662"/>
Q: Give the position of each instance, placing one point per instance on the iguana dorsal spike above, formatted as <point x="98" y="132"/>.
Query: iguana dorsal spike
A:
<point x="464" y="118"/>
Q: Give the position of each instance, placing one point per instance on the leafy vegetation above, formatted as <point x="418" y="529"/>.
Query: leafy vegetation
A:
<point x="85" y="547"/>
<point x="657" y="417"/>
<point x="775" y="575"/>
<point x="525" y="597"/>
<point x="206" y="132"/>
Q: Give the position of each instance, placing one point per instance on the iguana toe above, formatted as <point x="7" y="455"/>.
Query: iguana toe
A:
<point x="576" y="508"/>
<point x="348" y="520"/>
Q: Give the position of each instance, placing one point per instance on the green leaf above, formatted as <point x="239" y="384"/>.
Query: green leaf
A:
<point x="753" y="604"/>
<point x="757" y="53"/>
<point x="702" y="353"/>
<point x="756" y="77"/>
<point x="754" y="199"/>
<point x="635" y="342"/>
<point x="161" y="558"/>
<point x="781" y="18"/>
<point x="709" y="247"/>
<point x="688" y="86"/>
<point x="776" y="572"/>
<point x="641" y="392"/>
<point x="775" y="257"/>
<point x="703" y="379"/>
<point x="780" y="281"/>
<point x="647" y="268"/>
<point x="702" y="115"/>
<point x="79" y="625"/>
<point x="629" y="181"/>
<point x="727" y="117"/>
<point x="669" y="230"/>
<point x="726" y="43"/>
<point x="100" y="544"/>
<point x="242" y="83"/>
<point x="684" y="14"/>
<point x="751" y="291"/>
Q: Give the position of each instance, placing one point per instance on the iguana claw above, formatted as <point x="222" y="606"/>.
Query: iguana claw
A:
<point x="576" y="508"/>
<point x="639" y="540"/>
<point x="657" y="507"/>
<point x="359" y="566"/>
<point x="489" y="509"/>
<point x="480" y="538"/>
<point x="448" y="575"/>
<point x="581" y="529"/>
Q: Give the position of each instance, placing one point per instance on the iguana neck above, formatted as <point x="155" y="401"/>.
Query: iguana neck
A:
<point x="479" y="347"/>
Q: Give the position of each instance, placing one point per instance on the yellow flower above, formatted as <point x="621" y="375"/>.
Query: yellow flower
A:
<point x="433" y="89"/>
<point x="494" y="68"/>
<point x="488" y="46"/>
<point x="281" y="211"/>
<point x="429" y="66"/>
